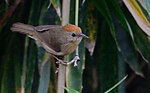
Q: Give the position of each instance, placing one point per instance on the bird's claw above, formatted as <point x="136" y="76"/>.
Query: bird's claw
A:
<point x="74" y="60"/>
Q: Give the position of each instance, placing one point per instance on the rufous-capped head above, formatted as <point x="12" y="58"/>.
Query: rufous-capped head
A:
<point x="72" y="28"/>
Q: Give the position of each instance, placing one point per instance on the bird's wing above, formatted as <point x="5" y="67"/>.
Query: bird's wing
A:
<point x="43" y="28"/>
<point x="49" y="35"/>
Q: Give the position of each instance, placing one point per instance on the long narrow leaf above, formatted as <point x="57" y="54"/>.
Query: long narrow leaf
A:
<point x="138" y="15"/>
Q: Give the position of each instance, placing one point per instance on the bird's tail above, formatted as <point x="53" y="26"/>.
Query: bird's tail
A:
<point x="23" y="28"/>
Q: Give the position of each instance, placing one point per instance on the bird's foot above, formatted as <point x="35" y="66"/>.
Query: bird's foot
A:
<point x="65" y="63"/>
<point x="74" y="60"/>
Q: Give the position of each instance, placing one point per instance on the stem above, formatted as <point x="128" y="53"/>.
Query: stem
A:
<point x="76" y="20"/>
<point x="62" y="68"/>
<point x="76" y="12"/>
<point x="65" y="12"/>
<point x="23" y="77"/>
<point x="61" y="78"/>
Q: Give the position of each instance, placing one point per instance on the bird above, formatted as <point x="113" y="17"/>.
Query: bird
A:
<point x="57" y="40"/>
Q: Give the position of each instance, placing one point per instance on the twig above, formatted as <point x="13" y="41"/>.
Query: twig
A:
<point x="76" y="20"/>
<point x="61" y="78"/>
<point x="62" y="68"/>
<point x="23" y="76"/>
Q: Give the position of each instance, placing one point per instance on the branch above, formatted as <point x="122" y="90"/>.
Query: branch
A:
<point x="62" y="68"/>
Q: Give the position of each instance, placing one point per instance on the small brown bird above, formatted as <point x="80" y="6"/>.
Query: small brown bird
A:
<point x="55" y="39"/>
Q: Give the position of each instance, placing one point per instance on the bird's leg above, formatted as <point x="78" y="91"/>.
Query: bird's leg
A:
<point x="74" y="60"/>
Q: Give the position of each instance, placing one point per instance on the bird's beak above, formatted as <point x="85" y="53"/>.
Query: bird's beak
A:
<point x="83" y="35"/>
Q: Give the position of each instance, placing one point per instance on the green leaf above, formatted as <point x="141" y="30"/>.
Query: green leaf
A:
<point x="10" y="73"/>
<point x="112" y="13"/>
<point x="127" y="47"/>
<point x="56" y="4"/>
<point x="106" y="58"/>
<point x="142" y="45"/>
<point x="31" y="56"/>
<point x="71" y="90"/>
<point x="44" y="77"/>
<point x="116" y="11"/>
<point x="117" y="84"/>
<point x="138" y="15"/>
<point x="105" y="11"/>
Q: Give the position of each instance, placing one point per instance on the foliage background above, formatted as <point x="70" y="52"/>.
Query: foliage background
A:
<point x="119" y="45"/>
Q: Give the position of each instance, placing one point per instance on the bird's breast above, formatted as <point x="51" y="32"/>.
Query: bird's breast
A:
<point x="69" y="48"/>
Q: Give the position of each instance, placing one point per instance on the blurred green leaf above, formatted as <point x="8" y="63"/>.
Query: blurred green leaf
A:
<point x="10" y="81"/>
<point x="31" y="56"/>
<point x="127" y="47"/>
<point x="71" y="90"/>
<point x="117" y="84"/>
<point x="57" y="6"/>
<point x="142" y="45"/>
<point x="138" y="15"/>
<point x="105" y="58"/>
<point x="102" y="6"/>
<point x="116" y="11"/>
<point x="44" y="77"/>
<point x="112" y="12"/>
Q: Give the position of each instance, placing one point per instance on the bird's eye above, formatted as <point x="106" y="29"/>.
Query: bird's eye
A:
<point x="73" y="34"/>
